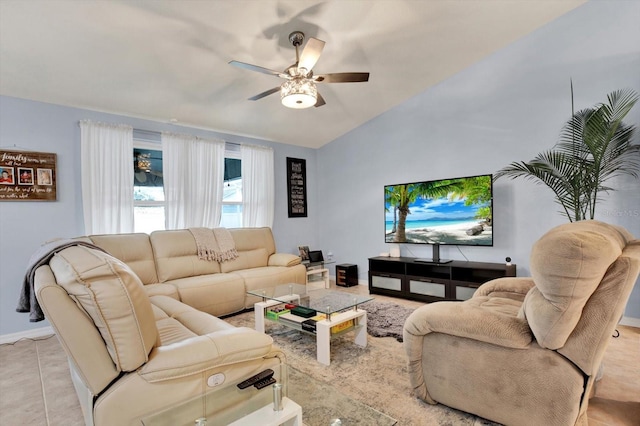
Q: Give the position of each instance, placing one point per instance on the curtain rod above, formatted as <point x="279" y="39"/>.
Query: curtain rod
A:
<point x="154" y="136"/>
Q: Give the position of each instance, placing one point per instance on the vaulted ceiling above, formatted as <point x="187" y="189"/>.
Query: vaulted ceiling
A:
<point x="167" y="60"/>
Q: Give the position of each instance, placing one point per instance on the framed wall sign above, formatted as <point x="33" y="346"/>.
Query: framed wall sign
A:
<point x="27" y="176"/>
<point x="297" y="187"/>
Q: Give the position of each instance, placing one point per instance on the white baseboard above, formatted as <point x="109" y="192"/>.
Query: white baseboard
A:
<point x="630" y="321"/>
<point x="29" y="334"/>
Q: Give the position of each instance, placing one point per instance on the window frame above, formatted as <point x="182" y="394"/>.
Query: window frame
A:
<point x="232" y="150"/>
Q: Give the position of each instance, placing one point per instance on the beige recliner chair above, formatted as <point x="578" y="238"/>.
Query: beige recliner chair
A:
<point x="526" y="351"/>
<point x="132" y="356"/>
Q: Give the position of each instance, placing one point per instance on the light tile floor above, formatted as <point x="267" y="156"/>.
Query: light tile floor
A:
<point x="35" y="386"/>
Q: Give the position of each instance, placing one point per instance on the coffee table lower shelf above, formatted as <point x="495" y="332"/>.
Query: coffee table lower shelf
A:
<point x="323" y="328"/>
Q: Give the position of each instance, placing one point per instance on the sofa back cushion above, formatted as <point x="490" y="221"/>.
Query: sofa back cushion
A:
<point x="176" y="256"/>
<point x="567" y="265"/>
<point x="134" y="250"/>
<point x="253" y="238"/>
<point x="114" y="298"/>
<point x="254" y="246"/>
<point x="247" y="259"/>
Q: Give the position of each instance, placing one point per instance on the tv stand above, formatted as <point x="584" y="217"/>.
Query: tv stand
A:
<point x="435" y="260"/>
<point x="415" y="279"/>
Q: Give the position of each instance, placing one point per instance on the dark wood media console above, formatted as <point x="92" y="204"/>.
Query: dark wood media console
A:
<point x="410" y="278"/>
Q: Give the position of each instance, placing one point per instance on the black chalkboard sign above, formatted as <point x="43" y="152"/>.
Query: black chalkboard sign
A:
<point x="297" y="186"/>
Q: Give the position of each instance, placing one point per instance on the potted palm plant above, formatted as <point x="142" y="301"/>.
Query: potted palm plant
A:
<point x="594" y="146"/>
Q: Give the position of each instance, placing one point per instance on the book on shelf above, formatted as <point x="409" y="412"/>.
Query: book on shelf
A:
<point x="303" y="311"/>
<point x="276" y="312"/>
<point x="342" y="326"/>
<point x="311" y="324"/>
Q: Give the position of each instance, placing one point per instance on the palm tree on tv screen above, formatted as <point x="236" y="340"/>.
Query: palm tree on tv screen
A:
<point x="404" y="195"/>
<point x="475" y="190"/>
<point x="391" y="197"/>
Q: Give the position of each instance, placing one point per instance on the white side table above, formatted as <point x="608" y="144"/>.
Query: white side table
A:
<point x="290" y="415"/>
<point x="320" y="275"/>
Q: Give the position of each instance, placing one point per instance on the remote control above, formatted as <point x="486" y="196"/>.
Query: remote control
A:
<point x="254" y="379"/>
<point x="264" y="383"/>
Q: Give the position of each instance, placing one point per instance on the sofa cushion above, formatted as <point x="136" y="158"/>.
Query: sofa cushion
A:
<point x="114" y="297"/>
<point x="176" y="256"/>
<point x="246" y="259"/>
<point x="134" y="250"/>
<point x="215" y="294"/>
<point x="177" y="322"/>
<point x="194" y="320"/>
<point x="567" y="265"/>
<point x="270" y="276"/>
<point x="163" y="289"/>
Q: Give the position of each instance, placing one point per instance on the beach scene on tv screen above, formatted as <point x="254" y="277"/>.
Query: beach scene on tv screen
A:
<point x="449" y="211"/>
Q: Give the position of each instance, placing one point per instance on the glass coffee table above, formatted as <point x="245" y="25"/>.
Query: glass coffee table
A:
<point x="321" y="312"/>
<point x="306" y="401"/>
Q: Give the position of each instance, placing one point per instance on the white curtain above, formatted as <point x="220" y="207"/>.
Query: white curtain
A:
<point x="193" y="175"/>
<point x="258" y="193"/>
<point x="106" y="152"/>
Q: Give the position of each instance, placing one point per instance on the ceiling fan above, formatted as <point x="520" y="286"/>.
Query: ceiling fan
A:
<point x="299" y="91"/>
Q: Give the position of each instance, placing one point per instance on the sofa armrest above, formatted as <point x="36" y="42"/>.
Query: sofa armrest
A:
<point x="198" y="354"/>
<point x="284" y="259"/>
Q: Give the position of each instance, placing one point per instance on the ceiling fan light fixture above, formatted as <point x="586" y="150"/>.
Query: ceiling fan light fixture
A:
<point x="298" y="93"/>
<point x="144" y="164"/>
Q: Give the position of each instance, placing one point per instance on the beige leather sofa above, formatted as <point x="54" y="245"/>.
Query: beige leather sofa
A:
<point x="526" y="351"/>
<point x="133" y="356"/>
<point x="167" y="263"/>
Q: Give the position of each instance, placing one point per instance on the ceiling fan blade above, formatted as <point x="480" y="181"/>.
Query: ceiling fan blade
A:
<point x="265" y="93"/>
<point x="320" y="101"/>
<point x="342" y="77"/>
<point x="258" y="69"/>
<point x="310" y="53"/>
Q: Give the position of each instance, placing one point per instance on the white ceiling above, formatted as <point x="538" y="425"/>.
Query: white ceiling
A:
<point x="168" y="60"/>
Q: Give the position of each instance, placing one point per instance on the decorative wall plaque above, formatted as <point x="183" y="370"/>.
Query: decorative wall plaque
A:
<point x="297" y="186"/>
<point x="27" y="176"/>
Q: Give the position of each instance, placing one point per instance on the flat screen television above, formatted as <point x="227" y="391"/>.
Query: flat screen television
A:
<point x="456" y="211"/>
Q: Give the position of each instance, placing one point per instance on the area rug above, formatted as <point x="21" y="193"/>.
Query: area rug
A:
<point x="386" y="319"/>
<point x="375" y="375"/>
<point x="323" y="403"/>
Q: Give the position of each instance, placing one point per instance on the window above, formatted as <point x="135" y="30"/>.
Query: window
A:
<point x="148" y="194"/>
<point x="232" y="194"/>
<point x="148" y="189"/>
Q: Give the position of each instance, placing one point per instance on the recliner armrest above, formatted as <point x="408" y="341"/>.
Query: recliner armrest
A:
<point x="470" y="320"/>
<point x="509" y="287"/>
<point x="197" y="354"/>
